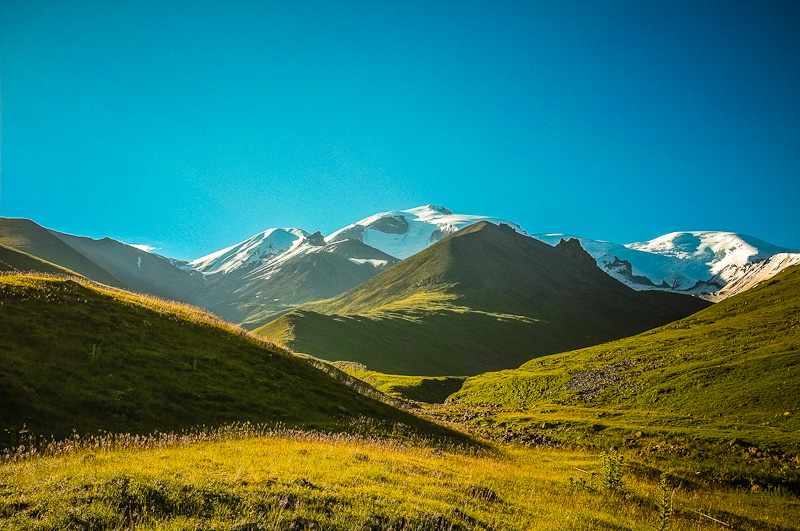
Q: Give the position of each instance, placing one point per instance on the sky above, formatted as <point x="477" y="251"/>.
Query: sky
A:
<point x="191" y="125"/>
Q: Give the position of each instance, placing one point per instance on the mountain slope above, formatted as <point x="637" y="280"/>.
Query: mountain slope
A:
<point x="732" y="369"/>
<point x="310" y="270"/>
<point x="14" y="260"/>
<point x="75" y="355"/>
<point x="105" y="260"/>
<point x="257" y="249"/>
<point x="26" y="236"/>
<point x="138" y="270"/>
<point x="484" y="297"/>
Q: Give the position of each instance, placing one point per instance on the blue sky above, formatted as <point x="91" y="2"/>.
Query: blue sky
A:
<point x="192" y="125"/>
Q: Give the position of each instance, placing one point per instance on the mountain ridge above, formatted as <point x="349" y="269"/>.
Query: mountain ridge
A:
<point x="517" y="296"/>
<point x="236" y="282"/>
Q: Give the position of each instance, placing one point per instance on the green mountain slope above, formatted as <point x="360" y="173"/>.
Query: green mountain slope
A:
<point x="731" y="370"/>
<point x="79" y="356"/>
<point x="13" y="260"/>
<point x="481" y="299"/>
<point x="26" y="236"/>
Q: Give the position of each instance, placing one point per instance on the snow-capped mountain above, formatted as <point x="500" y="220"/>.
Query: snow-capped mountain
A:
<point x="310" y="269"/>
<point x="277" y="269"/>
<point x="692" y="262"/>
<point x="402" y="233"/>
<point x="259" y="248"/>
<point x="315" y="244"/>
<point x="700" y="262"/>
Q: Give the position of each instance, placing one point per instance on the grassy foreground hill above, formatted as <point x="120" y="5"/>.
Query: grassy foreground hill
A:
<point x="250" y="481"/>
<point x="484" y="298"/>
<point x="183" y="367"/>
<point x="78" y="356"/>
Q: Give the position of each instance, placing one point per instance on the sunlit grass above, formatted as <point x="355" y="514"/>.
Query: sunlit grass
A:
<point x="276" y="479"/>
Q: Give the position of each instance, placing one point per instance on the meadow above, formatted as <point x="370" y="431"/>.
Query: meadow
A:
<point x="326" y="457"/>
<point x="246" y="477"/>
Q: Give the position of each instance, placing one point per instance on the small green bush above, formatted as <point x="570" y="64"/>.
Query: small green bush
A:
<point x="612" y="471"/>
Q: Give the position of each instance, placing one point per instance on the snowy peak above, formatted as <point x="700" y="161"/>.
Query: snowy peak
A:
<point x="693" y="262"/>
<point x="260" y="248"/>
<point x="402" y="233"/>
<point x="717" y="250"/>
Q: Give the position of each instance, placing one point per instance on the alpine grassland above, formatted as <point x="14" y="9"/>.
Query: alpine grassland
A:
<point x="244" y="477"/>
<point x="717" y="393"/>
<point x="122" y="411"/>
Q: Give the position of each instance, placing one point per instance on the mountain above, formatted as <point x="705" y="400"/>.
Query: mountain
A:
<point x="79" y="356"/>
<point x="138" y="270"/>
<point x="105" y="260"/>
<point x="730" y="371"/>
<point x="402" y="233"/>
<point x="255" y="250"/>
<point x="743" y="277"/>
<point x="14" y="260"/>
<point x="274" y="271"/>
<point x="483" y="298"/>
<point x="26" y="236"/>
<point x="310" y="269"/>
<point x="690" y="262"/>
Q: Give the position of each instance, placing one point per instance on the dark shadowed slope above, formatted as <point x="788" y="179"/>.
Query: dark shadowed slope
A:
<point x="33" y="239"/>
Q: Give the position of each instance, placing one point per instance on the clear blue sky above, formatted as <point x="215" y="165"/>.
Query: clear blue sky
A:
<point x="191" y="125"/>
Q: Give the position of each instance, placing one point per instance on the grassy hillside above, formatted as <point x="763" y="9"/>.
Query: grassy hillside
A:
<point x="429" y="389"/>
<point x="484" y="298"/>
<point x="79" y="356"/>
<point x="13" y="260"/>
<point x="730" y="373"/>
<point x="26" y="236"/>
<point x="255" y="481"/>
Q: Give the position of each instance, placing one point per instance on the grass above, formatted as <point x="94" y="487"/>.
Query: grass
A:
<point x="249" y="478"/>
<point x="428" y="389"/>
<point x="718" y="391"/>
<point x="75" y="355"/>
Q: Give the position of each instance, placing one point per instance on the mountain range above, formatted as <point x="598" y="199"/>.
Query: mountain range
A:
<point x="288" y="278"/>
<point x="482" y="298"/>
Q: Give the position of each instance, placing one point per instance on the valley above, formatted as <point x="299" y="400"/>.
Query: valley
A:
<point x="416" y="370"/>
